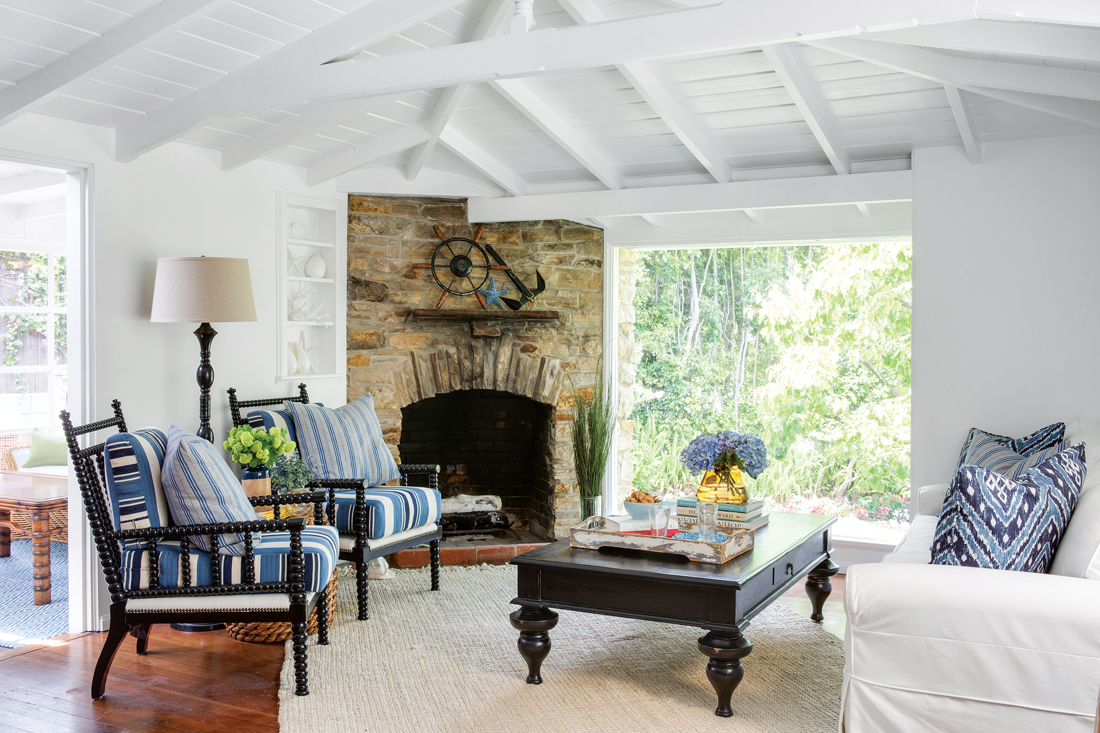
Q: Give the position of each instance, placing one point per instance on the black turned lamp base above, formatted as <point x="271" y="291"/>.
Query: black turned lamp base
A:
<point x="192" y="628"/>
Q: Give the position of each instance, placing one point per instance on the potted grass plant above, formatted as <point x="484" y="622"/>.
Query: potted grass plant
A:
<point x="593" y="429"/>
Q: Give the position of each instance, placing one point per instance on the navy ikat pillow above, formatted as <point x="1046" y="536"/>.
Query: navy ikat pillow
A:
<point x="993" y="521"/>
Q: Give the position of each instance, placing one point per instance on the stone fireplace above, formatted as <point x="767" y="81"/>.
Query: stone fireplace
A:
<point x="485" y="395"/>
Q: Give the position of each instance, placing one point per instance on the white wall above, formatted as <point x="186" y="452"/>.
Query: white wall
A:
<point x="1006" y="293"/>
<point x="173" y="202"/>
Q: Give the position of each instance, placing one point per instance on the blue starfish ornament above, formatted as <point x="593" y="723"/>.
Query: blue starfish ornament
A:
<point x="492" y="295"/>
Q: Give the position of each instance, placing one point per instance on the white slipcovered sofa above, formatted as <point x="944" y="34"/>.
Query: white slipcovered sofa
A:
<point x="940" y="648"/>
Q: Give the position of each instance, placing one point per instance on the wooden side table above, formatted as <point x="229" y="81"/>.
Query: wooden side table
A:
<point x="39" y="495"/>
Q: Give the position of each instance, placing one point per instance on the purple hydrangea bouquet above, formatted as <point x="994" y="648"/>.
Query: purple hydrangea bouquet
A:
<point x="723" y="456"/>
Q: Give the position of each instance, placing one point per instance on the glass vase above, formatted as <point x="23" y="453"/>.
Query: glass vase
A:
<point x="590" y="507"/>
<point x="728" y="488"/>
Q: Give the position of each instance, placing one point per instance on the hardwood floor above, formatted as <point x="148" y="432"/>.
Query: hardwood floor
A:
<point x="188" y="682"/>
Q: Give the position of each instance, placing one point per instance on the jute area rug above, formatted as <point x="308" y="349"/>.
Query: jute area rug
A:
<point x="447" y="661"/>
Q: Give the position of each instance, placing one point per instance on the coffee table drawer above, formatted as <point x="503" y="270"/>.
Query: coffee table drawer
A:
<point x="794" y="564"/>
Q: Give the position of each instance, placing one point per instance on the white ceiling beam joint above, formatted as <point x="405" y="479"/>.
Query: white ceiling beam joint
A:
<point x="1069" y="12"/>
<point x="524" y="18"/>
<point x="361" y="155"/>
<point x="486" y="164"/>
<point x="1014" y="39"/>
<point x="827" y="190"/>
<point x="30" y="181"/>
<point x="864" y="211"/>
<point x="651" y="220"/>
<point x="804" y="93"/>
<point x="965" y="122"/>
<point x="46" y="84"/>
<point x="753" y="215"/>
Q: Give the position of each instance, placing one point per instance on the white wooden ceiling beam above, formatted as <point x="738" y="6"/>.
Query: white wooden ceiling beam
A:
<point x="864" y="210"/>
<point x="1069" y="12"/>
<point x="737" y="196"/>
<point x="489" y="166"/>
<point x="753" y="215"/>
<point x="1016" y="39"/>
<point x="270" y="77"/>
<point x="360" y="155"/>
<point x="660" y="99"/>
<point x="969" y="134"/>
<point x="966" y="73"/>
<point x="1078" y="110"/>
<point x="548" y="121"/>
<point x="30" y="181"/>
<point x="45" y="84"/>
<point x="804" y="93"/>
<point x="497" y="12"/>
<point x="296" y="76"/>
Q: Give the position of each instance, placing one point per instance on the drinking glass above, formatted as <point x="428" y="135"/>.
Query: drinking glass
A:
<point x="708" y="516"/>
<point x="658" y="520"/>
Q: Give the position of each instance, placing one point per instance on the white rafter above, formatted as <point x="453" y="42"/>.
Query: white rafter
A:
<point x="996" y="37"/>
<point x="969" y="134"/>
<point x="1071" y="12"/>
<point x="45" y="84"/>
<point x="30" y="181"/>
<point x="803" y="92"/>
<point x="492" y="168"/>
<point x="269" y="77"/>
<point x="360" y="155"/>
<point x="659" y="98"/>
<point x="294" y="74"/>
<point x="494" y="17"/>
<point x="559" y="131"/>
<point x="857" y="188"/>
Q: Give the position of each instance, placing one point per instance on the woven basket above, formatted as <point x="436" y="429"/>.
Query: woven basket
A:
<point x="59" y="518"/>
<point x="272" y="632"/>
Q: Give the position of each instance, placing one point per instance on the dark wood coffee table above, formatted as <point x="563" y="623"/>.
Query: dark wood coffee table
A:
<point x="721" y="599"/>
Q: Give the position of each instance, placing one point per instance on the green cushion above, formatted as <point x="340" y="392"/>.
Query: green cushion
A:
<point x="47" y="449"/>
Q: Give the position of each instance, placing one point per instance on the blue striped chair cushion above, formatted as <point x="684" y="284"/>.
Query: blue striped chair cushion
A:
<point x="320" y="545"/>
<point x="132" y="462"/>
<point x="1012" y="458"/>
<point x="201" y="489"/>
<point x="389" y="510"/>
<point x="345" y="442"/>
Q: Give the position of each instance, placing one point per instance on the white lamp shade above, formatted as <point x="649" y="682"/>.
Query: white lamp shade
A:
<point x="202" y="290"/>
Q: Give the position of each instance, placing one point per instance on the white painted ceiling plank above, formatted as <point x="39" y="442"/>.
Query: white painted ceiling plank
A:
<point x="995" y="37"/>
<point x="965" y="121"/>
<point x="679" y="33"/>
<point x="802" y="91"/>
<point x="29" y="181"/>
<point x="496" y="13"/>
<point x="738" y="196"/>
<point x="1078" y="110"/>
<point x="549" y="122"/>
<point x="362" y="154"/>
<point x="46" y="84"/>
<point x="492" y="168"/>
<point x="370" y="24"/>
<point x="1069" y="12"/>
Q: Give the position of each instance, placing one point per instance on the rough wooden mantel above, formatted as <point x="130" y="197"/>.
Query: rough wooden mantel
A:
<point x="471" y="314"/>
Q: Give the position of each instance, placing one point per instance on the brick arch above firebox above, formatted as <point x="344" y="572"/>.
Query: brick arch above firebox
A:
<point x="488" y="363"/>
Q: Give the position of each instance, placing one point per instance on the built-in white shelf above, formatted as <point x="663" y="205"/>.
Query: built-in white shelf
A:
<point x="312" y="310"/>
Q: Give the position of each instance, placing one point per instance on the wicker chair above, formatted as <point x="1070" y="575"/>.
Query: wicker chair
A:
<point x="8" y="443"/>
<point x="355" y="546"/>
<point x="135" y="610"/>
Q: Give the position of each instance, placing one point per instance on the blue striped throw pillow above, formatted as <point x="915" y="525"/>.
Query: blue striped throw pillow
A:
<point x="993" y="521"/>
<point x="202" y="489"/>
<point x="345" y="442"/>
<point x="132" y="463"/>
<point x="1005" y="455"/>
<point x="274" y="419"/>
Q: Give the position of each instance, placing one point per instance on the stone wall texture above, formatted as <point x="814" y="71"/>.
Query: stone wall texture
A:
<point x="401" y="360"/>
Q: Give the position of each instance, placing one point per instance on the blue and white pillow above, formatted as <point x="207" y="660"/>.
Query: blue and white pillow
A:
<point x="994" y="521"/>
<point x="274" y="419"/>
<point x="345" y="442"/>
<point x="202" y="489"/>
<point x="1009" y="455"/>
<point x="132" y="463"/>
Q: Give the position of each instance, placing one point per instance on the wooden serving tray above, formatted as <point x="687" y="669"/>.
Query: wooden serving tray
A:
<point x="714" y="553"/>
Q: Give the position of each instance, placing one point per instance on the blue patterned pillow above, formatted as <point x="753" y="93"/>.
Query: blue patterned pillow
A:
<point x="993" y="521"/>
<point x="201" y="489"/>
<point x="345" y="442"/>
<point x="989" y="451"/>
<point x="132" y="463"/>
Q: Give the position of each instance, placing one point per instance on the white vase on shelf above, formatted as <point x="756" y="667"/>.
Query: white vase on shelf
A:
<point x="315" y="266"/>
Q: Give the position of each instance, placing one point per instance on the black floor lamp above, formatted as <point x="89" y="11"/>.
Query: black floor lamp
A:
<point x="203" y="290"/>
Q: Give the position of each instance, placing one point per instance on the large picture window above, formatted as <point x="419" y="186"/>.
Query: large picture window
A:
<point x="34" y="340"/>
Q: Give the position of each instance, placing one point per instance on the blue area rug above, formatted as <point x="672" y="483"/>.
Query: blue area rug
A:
<point x="22" y="622"/>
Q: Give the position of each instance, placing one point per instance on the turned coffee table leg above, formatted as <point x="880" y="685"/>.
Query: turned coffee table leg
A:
<point x="726" y="649"/>
<point x="5" y="534"/>
<point x="534" y="624"/>
<point x="40" y="539"/>
<point x="818" y="586"/>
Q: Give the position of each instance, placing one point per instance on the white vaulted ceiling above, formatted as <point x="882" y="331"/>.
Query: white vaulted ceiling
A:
<point x="599" y="95"/>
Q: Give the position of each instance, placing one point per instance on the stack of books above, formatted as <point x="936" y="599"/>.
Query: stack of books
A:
<point x="749" y="516"/>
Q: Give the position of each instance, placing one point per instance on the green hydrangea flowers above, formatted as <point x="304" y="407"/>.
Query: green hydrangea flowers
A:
<point x="256" y="447"/>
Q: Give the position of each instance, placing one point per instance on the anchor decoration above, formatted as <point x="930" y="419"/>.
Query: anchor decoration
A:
<point x="461" y="266"/>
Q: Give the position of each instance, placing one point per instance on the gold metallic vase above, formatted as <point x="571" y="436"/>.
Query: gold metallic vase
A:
<point x="728" y="489"/>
